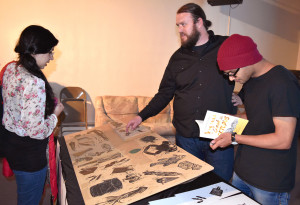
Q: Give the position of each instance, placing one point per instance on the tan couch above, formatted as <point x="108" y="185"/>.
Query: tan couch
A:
<point x="124" y="108"/>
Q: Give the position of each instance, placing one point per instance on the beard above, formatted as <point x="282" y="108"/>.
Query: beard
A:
<point x="191" y="40"/>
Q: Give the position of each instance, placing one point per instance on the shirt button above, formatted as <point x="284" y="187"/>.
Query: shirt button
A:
<point x="201" y="59"/>
<point x="200" y="84"/>
<point x="198" y="97"/>
<point x="200" y="71"/>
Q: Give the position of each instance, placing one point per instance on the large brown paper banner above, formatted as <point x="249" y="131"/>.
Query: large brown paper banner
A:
<point x="114" y="168"/>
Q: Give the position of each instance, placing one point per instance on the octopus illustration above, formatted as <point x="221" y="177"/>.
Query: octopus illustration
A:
<point x="155" y="149"/>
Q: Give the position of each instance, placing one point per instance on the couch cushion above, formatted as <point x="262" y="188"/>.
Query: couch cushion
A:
<point x="100" y="115"/>
<point x="120" y="108"/>
<point x="162" y="117"/>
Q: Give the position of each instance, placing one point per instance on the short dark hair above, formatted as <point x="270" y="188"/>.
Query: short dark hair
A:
<point x="197" y="12"/>
<point x="35" y="39"/>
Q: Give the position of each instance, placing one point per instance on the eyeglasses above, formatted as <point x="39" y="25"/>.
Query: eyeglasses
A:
<point x="51" y="52"/>
<point x="230" y="74"/>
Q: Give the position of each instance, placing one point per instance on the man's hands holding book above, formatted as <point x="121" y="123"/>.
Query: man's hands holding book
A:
<point x="222" y="141"/>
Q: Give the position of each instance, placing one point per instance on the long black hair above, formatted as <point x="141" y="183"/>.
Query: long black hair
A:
<point x="36" y="40"/>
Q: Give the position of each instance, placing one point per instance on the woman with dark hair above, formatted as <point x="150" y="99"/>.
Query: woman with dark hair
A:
<point x="29" y="112"/>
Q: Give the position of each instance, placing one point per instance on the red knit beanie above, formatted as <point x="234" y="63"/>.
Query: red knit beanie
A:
<point x="237" y="51"/>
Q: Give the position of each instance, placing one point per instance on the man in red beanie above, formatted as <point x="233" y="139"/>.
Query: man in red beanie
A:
<point x="265" y="161"/>
<point x="193" y="79"/>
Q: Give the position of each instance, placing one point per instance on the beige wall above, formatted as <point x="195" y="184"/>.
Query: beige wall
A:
<point x="121" y="47"/>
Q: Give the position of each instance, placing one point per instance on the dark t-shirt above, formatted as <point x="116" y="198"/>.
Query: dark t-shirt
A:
<point x="274" y="94"/>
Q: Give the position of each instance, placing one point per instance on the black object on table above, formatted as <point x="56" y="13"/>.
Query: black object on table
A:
<point x="74" y="196"/>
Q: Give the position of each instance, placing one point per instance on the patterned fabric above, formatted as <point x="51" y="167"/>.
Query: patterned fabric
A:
<point x="24" y="104"/>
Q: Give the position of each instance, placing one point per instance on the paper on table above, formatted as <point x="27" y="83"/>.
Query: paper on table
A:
<point x="202" y="195"/>
<point x="114" y="168"/>
<point x="169" y="200"/>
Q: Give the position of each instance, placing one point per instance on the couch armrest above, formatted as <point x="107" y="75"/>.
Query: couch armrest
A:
<point x="101" y="117"/>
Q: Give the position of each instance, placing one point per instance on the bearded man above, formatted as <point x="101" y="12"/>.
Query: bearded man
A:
<point x="193" y="79"/>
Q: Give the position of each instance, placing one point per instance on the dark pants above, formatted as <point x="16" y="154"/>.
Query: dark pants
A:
<point x="221" y="159"/>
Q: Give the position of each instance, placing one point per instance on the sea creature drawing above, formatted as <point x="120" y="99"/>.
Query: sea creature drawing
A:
<point x="101" y="160"/>
<point x="72" y="145"/>
<point x="161" y="173"/>
<point x="117" y="199"/>
<point x="84" y="138"/>
<point x="148" y="139"/>
<point x="100" y="134"/>
<point x="189" y="165"/>
<point x="165" y="179"/>
<point x="88" y="144"/>
<point x="107" y="186"/>
<point x="131" y="178"/>
<point x="106" y="147"/>
<point x="83" y="159"/>
<point x="94" y="177"/>
<point x="155" y="149"/>
<point x="77" y="154"/>
<point x="117" y="162"/>
<point x="118" y="170"/>
<point x="168" y="161"/>
<point x="93" y="154"/>
<point x="87" y="170"/>
<point x="86" y="141"/>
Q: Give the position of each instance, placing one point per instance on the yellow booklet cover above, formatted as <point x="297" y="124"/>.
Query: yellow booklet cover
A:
<point x="216" y="123"/>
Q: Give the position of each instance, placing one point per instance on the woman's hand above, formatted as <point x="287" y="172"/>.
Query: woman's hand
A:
<point x="58" y="109"/>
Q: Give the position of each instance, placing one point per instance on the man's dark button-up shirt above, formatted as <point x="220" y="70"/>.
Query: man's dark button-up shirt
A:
<point x="192" y="77"/>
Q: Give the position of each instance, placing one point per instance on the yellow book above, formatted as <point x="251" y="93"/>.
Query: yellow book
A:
<point x="216" y="123"/>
